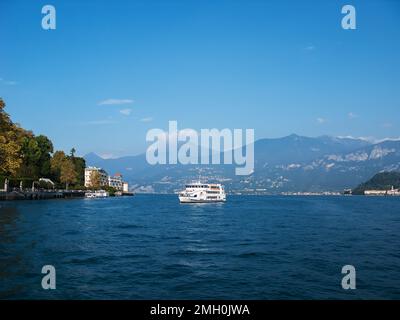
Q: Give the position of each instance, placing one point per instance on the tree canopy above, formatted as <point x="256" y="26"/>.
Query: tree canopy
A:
<point x="25" y="156"/>
<point x="95" y="180"/>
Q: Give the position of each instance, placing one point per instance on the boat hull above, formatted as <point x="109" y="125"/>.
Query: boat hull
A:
<point x="186" y="200"/>
<point x="96" y="194"/>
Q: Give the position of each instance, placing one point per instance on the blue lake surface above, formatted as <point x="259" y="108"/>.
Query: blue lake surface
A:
<point x="152" y="247"/>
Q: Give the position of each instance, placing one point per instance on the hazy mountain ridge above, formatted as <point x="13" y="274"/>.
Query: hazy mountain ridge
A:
<point x="292" y="163"/>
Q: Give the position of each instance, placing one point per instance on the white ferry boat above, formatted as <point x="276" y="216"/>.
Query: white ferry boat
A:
<point x="97" y="194"/>
<point x="202" y="192"/>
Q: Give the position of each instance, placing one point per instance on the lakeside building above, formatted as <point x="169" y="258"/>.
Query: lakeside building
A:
<point x="102" y="175"/>
<point x="375" y="192"/>
<point x="392" y="192"/>
<point x="116" y="181"/>
<point x="106" y="180"/>
<point x="321" y="193"/>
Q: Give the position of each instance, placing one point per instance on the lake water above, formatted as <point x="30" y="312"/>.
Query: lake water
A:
<point x="152" y="247"/>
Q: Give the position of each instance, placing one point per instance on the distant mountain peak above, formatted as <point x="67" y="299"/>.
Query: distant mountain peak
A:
<point x="293" y="136"/>
<point x="92" y="155"/>
<point x="93" y="159"/>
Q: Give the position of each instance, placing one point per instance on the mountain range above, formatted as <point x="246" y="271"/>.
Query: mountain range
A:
<point x="290" y="164"/>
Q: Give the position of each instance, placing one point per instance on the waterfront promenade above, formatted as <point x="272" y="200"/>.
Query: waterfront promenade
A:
<point x="41" y="194"/>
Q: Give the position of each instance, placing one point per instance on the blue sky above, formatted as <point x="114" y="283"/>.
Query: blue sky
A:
<point x="113" y="70"/>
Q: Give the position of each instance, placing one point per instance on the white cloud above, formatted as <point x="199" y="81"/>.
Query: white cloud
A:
<point x="321" y="120"/>
<point x="356" y="138"/>
<point x="370" y="139"/>
<point x="387" y="125"/>
<point x="148" y="119"/>
<point x="115" y="102"/>
<point x="387" y="139"/>
<point x="352" y="115"/>
<point x="310" y="48"/>
<point x="125" y="112"/>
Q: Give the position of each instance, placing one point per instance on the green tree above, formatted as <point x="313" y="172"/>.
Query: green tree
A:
<point x="68" y="173"/>
<point x="110" y="190"/>
<point x="10" y="158"/>
<point x="10" y="149"/>
<point x="46" y="148"/>
<point x="36" y="156"/>
<point x="5" y="121"/>
<point x="30" y="155"/>
<point x="95" y="180"/>
<point x="80" y="165"/>
<point x="56" y="163"/>
<point x="24" y="156"/>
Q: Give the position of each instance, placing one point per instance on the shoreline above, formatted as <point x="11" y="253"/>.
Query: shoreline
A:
<point x="79" y="194"/>
<point x="40" y="195"/>
<point x="49" y="195"/>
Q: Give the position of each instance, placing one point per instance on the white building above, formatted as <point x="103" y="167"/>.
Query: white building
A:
<point x="392" y="192"/>
<point x="102" y="174"/>
<point x="116" y="181"/>
<point x="375" y="192"/>
<point x="125" y="187"/>
<point x="106" y="180"/>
